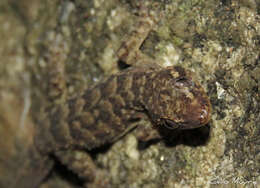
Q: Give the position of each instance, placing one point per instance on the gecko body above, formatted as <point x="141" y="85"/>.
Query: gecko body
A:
<point x="168" y="96"/>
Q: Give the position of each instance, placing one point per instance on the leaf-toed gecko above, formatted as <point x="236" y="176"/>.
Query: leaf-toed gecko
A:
<point x="168" y="97"/>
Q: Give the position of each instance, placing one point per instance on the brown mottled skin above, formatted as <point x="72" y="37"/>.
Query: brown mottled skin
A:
<point x="168" y="97"/>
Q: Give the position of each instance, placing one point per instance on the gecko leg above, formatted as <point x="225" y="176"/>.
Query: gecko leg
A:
<point x="129" y="51"/>
<point x="82" y="164"/>
<point x="146" y="131"/>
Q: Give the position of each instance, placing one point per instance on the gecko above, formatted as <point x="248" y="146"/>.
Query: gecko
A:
<point x="166" y="96"/>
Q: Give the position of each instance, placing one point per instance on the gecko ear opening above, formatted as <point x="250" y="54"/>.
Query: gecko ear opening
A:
<point x="169" y="124"/>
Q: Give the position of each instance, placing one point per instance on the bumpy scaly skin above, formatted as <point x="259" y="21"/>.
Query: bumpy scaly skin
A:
<point x="168" y="96"/>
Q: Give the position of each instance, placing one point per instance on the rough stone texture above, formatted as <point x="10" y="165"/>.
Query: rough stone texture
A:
<point x="218" y="40"/>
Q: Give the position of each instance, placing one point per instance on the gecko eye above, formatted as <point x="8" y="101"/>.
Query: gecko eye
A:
<point x="170" y="124"/>
<point x="182" y="81"/>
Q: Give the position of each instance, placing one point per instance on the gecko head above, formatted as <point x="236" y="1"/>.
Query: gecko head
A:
<point x="180" y="101"/>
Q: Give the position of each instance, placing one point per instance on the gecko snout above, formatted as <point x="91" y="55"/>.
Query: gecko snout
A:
<point x="198" y="113"/>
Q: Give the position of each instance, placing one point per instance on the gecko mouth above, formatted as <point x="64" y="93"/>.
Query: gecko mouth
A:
<point x="191" y="122"/>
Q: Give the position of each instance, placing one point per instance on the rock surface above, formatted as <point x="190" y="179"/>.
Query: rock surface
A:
<point x="218" y="40"/>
